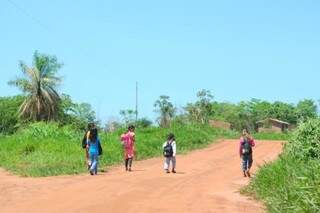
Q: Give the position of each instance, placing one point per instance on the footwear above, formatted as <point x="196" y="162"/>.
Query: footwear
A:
<point x="174" y="171"/>
<point x="126" y="169"/>
<point x="129" y="170"/>
<point x="91" y="172"/>
<point x="167" y="171"/>
<point x="248" y="174"/>
<point x="244" y="174"/>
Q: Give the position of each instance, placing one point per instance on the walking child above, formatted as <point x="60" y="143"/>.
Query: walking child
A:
<point x="84" y="143"/>
<point x="169" y="152"/>
<point x="94" y="147"/>
<point x="128" y="142"/>
<point x="245" y="151"/>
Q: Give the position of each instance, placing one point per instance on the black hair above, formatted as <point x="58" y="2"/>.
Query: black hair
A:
<point x="247" y="130"/>
<point x="131" y="127"/>
<point x="93" y="135"/>
<point x="171" y="137"/>
<point x="90" y="126"/>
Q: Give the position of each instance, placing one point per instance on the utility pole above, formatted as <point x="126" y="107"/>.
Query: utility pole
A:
<point x="136" y="102"/>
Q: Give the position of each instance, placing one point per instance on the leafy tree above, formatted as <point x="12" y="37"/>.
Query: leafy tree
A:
<point x="306" y="109"/>
<point x="128" y="116"/>
<point x="144" y="123"/>
<point x="202" y="109"/>
<point x="284" y="112"/>
<point x="166" y="110"/>
<point x="39" y="84"/>
<point x="9" y="119"/>
<point x="75" y="114"/>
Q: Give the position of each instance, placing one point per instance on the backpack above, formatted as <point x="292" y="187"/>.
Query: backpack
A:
<point x="246" y="147"/>
<point x="84" y="141"/>
<point x="100" y="151"/>
<point x="168" y="150"/>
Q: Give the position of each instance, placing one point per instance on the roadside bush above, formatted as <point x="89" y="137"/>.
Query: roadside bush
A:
<point x="291" y="183"/>
<point x="305" y="141"/>
<point x="52" y="130"/>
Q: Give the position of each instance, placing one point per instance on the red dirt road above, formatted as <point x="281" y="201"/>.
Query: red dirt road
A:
<point x="208" y="180"/>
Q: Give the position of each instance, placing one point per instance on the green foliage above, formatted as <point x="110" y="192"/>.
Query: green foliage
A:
<point x="41" y="130"/>
<point x="272" y="136"/>
<point x="166" y="110"/>
<point x="288" y="185"/>
<point x="77" y="115"/>
<point x="128" y="116"/>
<point x="202" y="109"/>
<point x="143" y="123"/>
<point x="305" y="141"/>
<point x="291" y="184"/>
<point x="48" y="149"/>
<point x="306" y="109"/>
<point x="9" y="119"/>
<point x="246" y="114"/>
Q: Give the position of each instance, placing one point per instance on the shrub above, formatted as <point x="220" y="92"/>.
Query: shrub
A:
<point x="305" y="141"/>
<point x="291" y="184"/>
<point x="52" y="130"/>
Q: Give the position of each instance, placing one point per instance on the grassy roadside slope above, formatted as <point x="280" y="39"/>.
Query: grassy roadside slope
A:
<point x="49" y="150"/>
<point x="292" y="183"/>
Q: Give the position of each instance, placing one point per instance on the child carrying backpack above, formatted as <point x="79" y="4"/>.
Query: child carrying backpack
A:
<point x="94" y="149"/>
<point x="169" y="152"/>
<point x="245" y="151"/>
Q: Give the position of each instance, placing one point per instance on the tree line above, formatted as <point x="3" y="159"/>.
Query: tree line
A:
<point x="41" y="101"/>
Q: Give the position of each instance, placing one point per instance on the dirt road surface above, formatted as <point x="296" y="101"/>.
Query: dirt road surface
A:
<point x="208" y="180"/>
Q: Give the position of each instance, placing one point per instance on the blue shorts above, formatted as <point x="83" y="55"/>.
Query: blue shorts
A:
<point x="246" y="162"/>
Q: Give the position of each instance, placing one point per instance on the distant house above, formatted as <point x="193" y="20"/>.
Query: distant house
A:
<point x="272" y="125"/>
<point x="220" y="124"/>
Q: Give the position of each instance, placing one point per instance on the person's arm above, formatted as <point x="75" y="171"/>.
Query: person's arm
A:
<point x="88" y="144"/>
<point x="87" y="138"/>
<point x="174" y="148"/>
<point x="252" y="142"/>
<point x="164" y="144"/>
<point x="240" y="146"/>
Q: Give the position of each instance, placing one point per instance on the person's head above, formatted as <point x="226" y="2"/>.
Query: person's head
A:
<point x="171" y="137"/>
<point x="93" y="135"/>
<point x="131" y="128"/>
<point x="90" y="126"/>
<point x="245" y="132"/>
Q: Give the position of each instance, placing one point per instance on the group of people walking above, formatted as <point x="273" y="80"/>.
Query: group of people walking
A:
<point x="93" y="149"/>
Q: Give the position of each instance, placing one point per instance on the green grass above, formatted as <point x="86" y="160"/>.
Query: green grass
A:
<point x="292" y="183"/>
<point x="49" y="150"/>
<point x="288" y="185"/>
<point x="272" y="136"/>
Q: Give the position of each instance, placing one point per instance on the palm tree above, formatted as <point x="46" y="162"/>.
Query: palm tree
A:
<point x="39" y="84"/>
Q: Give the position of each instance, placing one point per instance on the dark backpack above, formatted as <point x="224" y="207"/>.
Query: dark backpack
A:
<point x="84" y="141"/>
<point x="100" y="151"/>
<point x="168" y="150"/>
<point x="246" y="147"/>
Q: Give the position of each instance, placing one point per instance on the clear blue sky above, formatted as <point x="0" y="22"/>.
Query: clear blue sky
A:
<point x="237" y="49"/>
